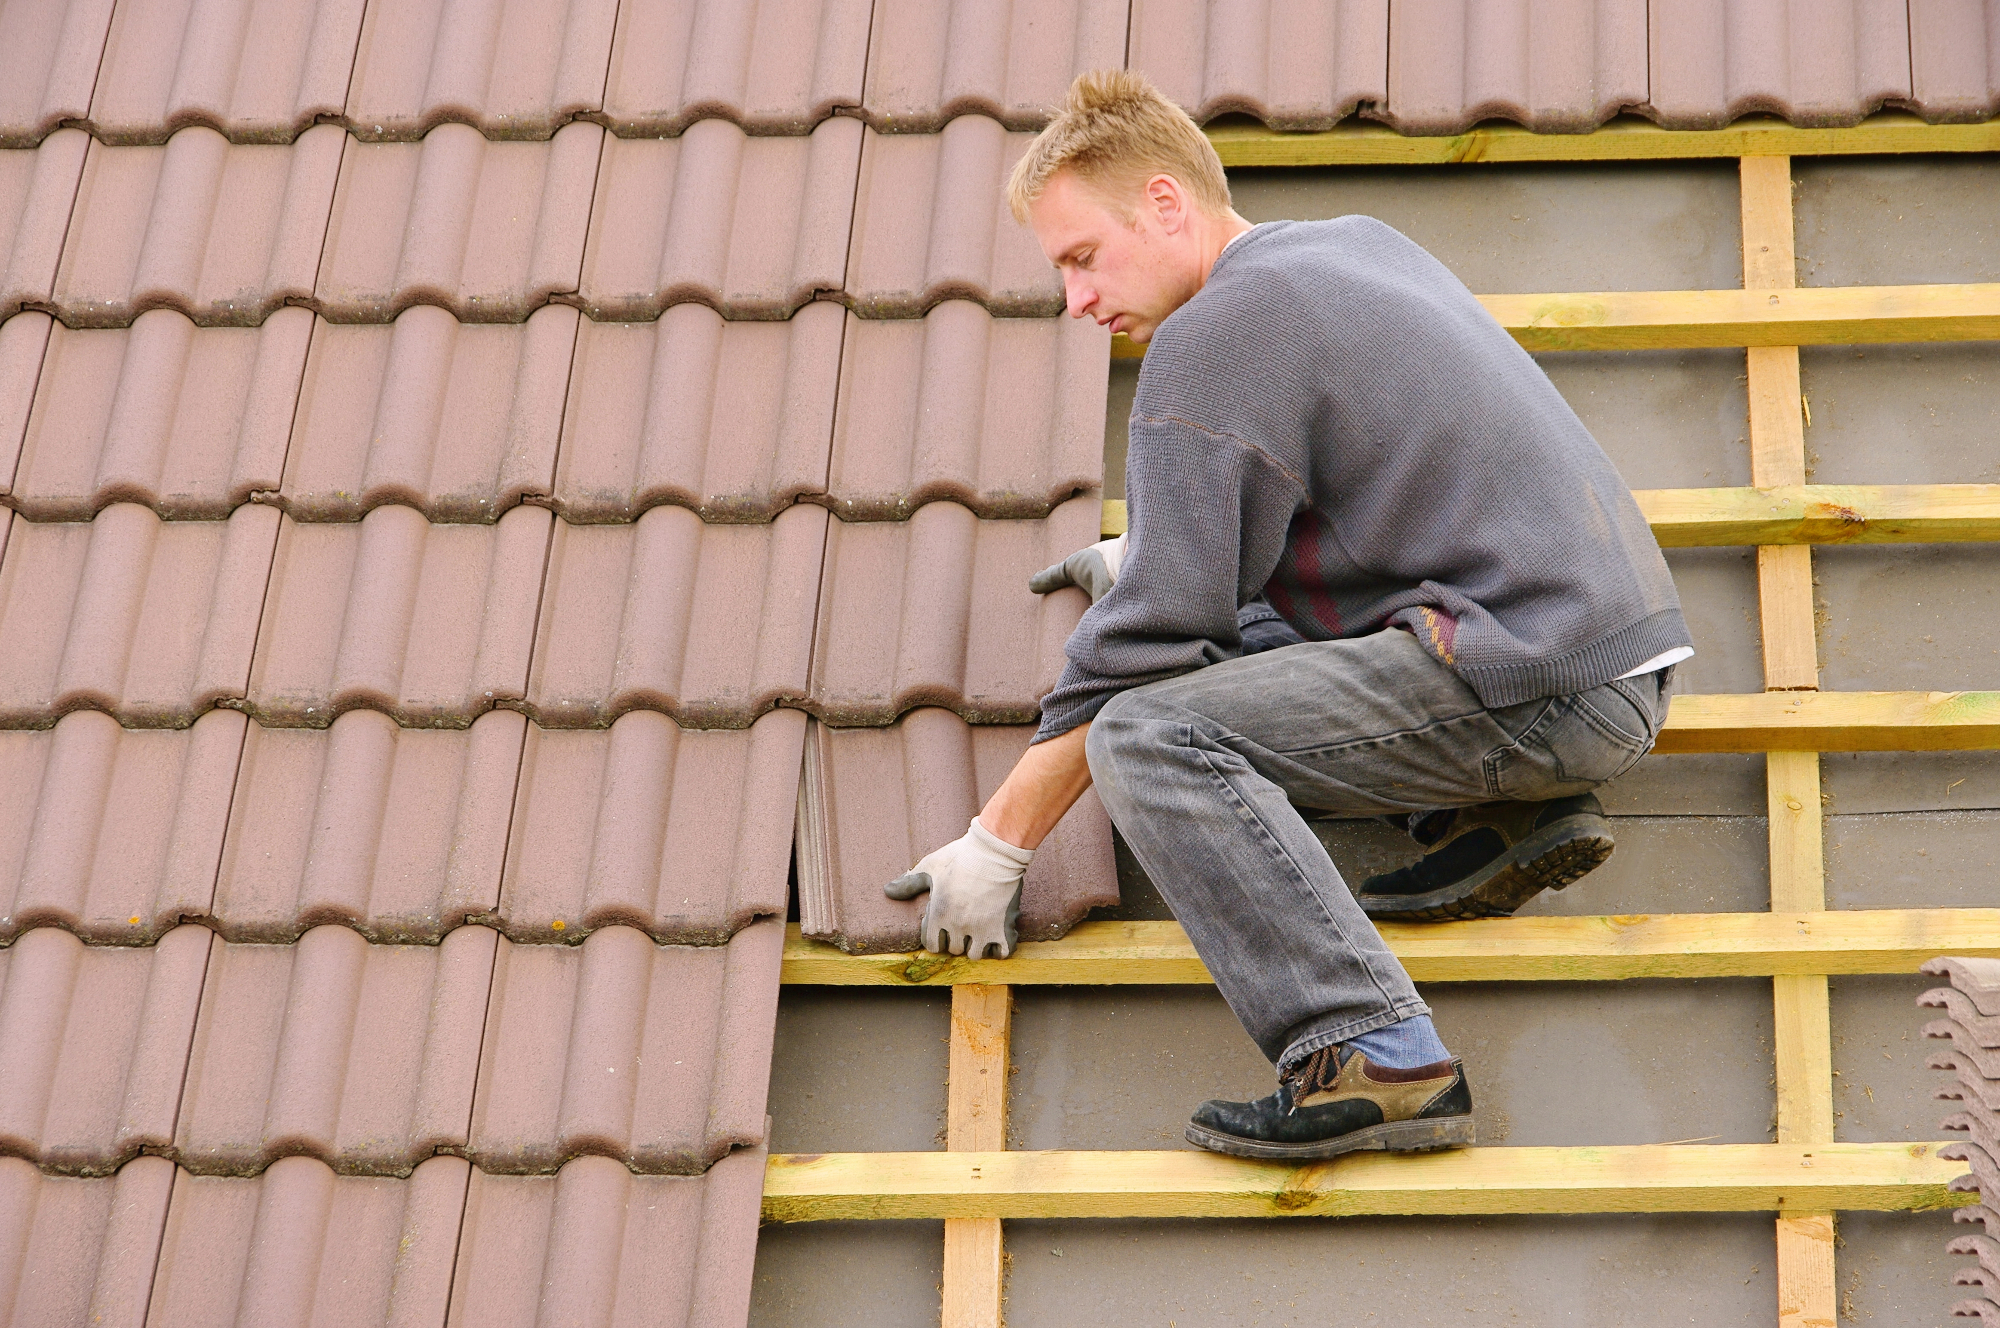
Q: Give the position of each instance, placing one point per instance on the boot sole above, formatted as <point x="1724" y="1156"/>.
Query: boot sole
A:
<point x="1403" y="1136"/>
<point x="1548" y="859"/>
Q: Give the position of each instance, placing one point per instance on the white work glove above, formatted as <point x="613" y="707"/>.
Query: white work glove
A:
<point x="1093" y="570"/>
<point x="975" y="886"/>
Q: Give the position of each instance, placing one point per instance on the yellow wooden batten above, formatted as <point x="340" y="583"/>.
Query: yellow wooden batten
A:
<point x="1833" y="722"/>
<point x="1796" y="514"/>
<point x="1805" y="316"/>
<point x="1630" y="139"/>
<point x="1535" y="949"/>
<point x="1656" y="1178"/>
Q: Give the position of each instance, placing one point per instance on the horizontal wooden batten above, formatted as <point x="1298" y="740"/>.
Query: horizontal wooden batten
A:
<point x="1664" y="320"/>
<point x="1656" y="1178"/>
<point x="1833" y="722"/>
<point x="1632" y="139"/>
<point x="1535" y="949"/>
<point x="1796" y="514"/>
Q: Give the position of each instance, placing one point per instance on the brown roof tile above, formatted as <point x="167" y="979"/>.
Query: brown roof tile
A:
<point x="97" y="1041"/>
<point x="876" y="800"/>
<point x="1292" y="66"/>
<point x="931" y="223"/>
<point x="603" y="1248"/>
<point x="399" y="833"/>
<point x="730" y="419"/>
<point x="1558" y="66"/>
<point x="223" y="232"/>
<point x="487" y="230"/>
<point x="936" y="610"/>
<point x="511" y="68"/>
<point x="301" y="1245"/>
<point x="1955" y="60"/>
<point x="711" y="624"/>
<point x="458" y="420"/>
<point x="113" y="833"/>
<point x="1713" y="60"/>
<point x="24" y="339"/>
<point x="361" y="1055"/>
<point x="258" y="73"/>
<point x="654" y="1056"/>
<point x="753" y="227"/>
<point x="431" y="624"/>
<point x="1003" y="415"/>
<point x="37" y="188"/>
<point x="1013" y="62"/>
<point x="774" y="68"/>
<point x="186" y="420"/>
<point x="685" y="835"/>
<point x="49" y="51"/>
<point x="81" y="1251"/>
<point x="150" y="621"/>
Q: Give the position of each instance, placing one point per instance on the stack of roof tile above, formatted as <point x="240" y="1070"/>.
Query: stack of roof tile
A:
<point x="1972" y="1025"/>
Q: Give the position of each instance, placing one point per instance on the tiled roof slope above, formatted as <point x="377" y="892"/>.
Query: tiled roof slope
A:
<point x="930" y="62"/>
<point x="428" y="432"/>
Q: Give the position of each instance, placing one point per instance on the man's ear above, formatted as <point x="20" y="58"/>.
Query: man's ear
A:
<point x="1168" y="202"/>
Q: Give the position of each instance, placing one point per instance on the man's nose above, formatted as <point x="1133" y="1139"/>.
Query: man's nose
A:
<point x="1078" y="294"/>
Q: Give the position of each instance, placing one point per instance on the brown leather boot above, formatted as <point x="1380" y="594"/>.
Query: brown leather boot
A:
<point x="1490" y="859"/>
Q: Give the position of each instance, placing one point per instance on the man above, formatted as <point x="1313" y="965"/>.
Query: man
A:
<point x="1375" y="565"/>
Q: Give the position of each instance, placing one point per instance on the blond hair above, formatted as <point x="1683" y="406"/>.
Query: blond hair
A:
<point x="1115" y="132"/>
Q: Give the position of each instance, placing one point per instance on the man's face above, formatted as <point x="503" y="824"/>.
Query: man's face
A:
<point x="1127" y="275"/>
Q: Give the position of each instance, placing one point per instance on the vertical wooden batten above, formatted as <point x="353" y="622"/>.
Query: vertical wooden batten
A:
<point x="976" y="1121"/>
<point x="1807" y="1291"/>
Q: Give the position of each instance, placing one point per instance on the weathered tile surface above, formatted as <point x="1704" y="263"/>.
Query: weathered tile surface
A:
<point x="302" y="1245"/>
<point x="223" y="232"/>
<point x="931" y="224"/>
<point x="730" y="419"/>
<point x="81" y="1251"/>
<point x="936" y="611"/>
<point x="430" y="624"/>
<point x="599" y="1247"/>
<point x="360" y="1055"/>
<point x="486" y="230"/>
<point x="1955" y="59"/>
<point x="258" y="71"/>
<point x="113" y="833"/>
<point x="751" y="226"/>
<point x="97" y="1041"/>
<point x="683" y="834"/>
<point x="38" y="188"/>
<point x="930" y="62"/>
<point x="509" y="68"/>
<point x="398" y="833"/>
<point x="654" y="1056"/>
<point x="150" y="621"/>
<point x="876" y="800"/>
<point x="1557" y="66"/>
<point x="457" y="420"/>
<point x="1004" y="416"/>
<point x="186" y="420"/>
<point x="1293" y="66"/>
<point x="773" y="68"/>
<point x="711" y="624"/>
<point x="49" y="54"/>
<point x="1713" y="60"/>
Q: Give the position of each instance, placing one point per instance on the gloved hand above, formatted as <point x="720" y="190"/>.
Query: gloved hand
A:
<point x="1093" y="570"/>
<point x="975" y="887"/>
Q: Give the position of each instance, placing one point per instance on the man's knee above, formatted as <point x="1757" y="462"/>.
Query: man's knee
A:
<point x="1124" y="724"/>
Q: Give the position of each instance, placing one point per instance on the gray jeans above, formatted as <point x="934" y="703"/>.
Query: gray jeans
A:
<point x="1204" y="774"/>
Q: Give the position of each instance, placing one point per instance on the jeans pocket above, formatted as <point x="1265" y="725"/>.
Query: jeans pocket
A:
<point x="1577" y="743"/>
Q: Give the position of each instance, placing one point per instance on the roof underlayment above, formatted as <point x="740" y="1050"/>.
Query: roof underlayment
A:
<point x="485" y="480"/>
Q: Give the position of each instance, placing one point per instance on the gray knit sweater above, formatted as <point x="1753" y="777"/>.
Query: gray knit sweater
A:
<point x="1336" y="424"/>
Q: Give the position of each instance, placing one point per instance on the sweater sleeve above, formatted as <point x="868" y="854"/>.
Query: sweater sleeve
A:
<point x="1209" y="515"/>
